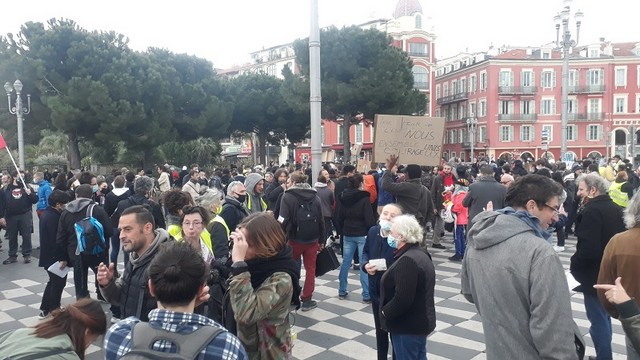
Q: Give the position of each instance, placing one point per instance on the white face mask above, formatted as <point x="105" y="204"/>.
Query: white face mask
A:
<point x="385" y="227"/>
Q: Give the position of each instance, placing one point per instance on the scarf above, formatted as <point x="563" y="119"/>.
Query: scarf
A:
<point x="532" y="221"/>
<point x="261" y="268"/>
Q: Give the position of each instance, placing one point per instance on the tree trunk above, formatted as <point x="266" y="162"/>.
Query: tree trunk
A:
<point x="147" y="159"/>
<point x="262" y="150"/>
<point x="73" y="150"/>
<point x="346" y="140"/>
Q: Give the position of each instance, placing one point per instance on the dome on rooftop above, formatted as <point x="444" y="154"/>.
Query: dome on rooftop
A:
<point x="407" y="8"/>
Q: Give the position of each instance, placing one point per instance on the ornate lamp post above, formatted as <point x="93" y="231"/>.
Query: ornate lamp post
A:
<point x="566" y="44"/>
<point x="19" y="110"/>
<point x="472" y="124"/>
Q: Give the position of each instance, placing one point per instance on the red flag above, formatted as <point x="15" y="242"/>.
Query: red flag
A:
<point x="2" y="143"/>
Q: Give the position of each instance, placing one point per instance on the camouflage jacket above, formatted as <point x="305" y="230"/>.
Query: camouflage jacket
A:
<point x="262" y="315"/>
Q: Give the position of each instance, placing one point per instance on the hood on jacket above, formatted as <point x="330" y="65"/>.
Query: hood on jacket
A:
<point x="319" y="184"/>
<point x="491" y="228"/>
<point x="305" y="192"/>
<point x="119" y="191"/>
<point x="251" y="181"/>
<point x="78" y="205"/>
<point x="162" y="236"/>
<point x="350" y="197"/>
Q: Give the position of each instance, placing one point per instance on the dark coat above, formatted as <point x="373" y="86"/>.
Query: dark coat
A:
<point x="272" y="194"/>
<point x="482" y="191"/>
<point x="48" y="231"/>
<point x="406" y="299"/>
<point x="436" y="192"/>
<point x="15" y="200"/>
<point x="288" y="208"/>
<point x="414" y="197"/>
<point x="340" y="186"/>
<point x="233" y="212"/>
<point x="376" y="247"/>
<point x="112" y="200"/>
<point x="355" y="215"/>
<point x="66" y="234"/>
<point x="137" y="199"/>
<point x="595" y="226"/>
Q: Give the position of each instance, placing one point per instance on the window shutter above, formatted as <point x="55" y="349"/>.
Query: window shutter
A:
<point x="553" y="79"/>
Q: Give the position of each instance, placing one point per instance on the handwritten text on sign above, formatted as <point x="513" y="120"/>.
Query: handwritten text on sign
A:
<point x="416" y="139"/>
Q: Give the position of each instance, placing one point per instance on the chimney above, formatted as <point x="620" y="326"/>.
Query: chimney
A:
<point x="601" y="39"/>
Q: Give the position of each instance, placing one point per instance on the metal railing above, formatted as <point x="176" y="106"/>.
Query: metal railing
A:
<point x="517" y="90"/>
<point x="586" y="89"/>
<point x="589" y="116"/>
<point x="461" y="96"/>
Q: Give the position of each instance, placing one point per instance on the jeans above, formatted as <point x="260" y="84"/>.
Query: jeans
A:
<point x="409" y="347"/>
<point x="81" y="266"/>
<point x="351" y="243"/>
<point x="309" y="254"/>
<point x="438" y="228"/>
<point x="600" y="329"/>
<point x="459" y="240"/>
<point x="52" y="292"/>
<point x="115" y="248"/>
<point x="22" y="223"/>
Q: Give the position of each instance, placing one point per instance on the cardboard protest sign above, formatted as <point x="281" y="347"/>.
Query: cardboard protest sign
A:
<point x="415" y="139"/>
<point x="363" y="166"/>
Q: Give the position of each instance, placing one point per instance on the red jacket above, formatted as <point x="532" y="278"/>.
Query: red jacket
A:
<point x="462" y="213"/>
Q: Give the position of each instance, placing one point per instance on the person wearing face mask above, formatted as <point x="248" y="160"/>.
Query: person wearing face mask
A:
<point x="377" y="248"/>
<point x="234" y="210"/>
<point x="407" y="309"/>
<point x="596" y="224"/>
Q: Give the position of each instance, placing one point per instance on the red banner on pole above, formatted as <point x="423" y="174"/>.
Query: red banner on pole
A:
<point x="2" y="143"/>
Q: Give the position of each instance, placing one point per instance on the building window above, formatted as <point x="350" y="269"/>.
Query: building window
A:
<point x="527" y="107"/>
<point x="472" y="109"/>
<point x="572" y="106"/>
<point x="506" y="107"/>
<point x="483" y="81"/>
<point x="462" y="136"/>
<point x="595" y="77"/>
<point x="340" y="134"/>
<point x="549" y="129"/>
<point x="548" y="79"/>
<point x="359" y="133"/>
<point x="506" y="133"/>
<point x="454" y="136"/>
<point x="482" y="134"/>
<point x="454" y="87"/>
<point x="548" y="107"/>
<point x="420" y="77"/>
<point x="572" y="132"/>
<point x="573" y="78"/>
<point x="594" y="105"/>
<point x="621" y="76"/>
<point x="482" y="111"/>
<point x="271" y="70"/>
<point x="620" y="104"/>
<point x="526" y="133"/>
<point x="438" y="91"/>
<point x="445" y="89"/>
<point x="473" y="85"/>
<point x="638" y="103"/>
<point x="593" y="132"/>
<point x="463" y="85"/>
<point x="526" y="78"/>
<point x="418" y="21"/>
<point x="418" y="49"/>
<point x="506" y="78"/>
<point x="322" y="138"/>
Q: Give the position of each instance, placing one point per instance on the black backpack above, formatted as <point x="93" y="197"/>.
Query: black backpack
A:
<point x="307" y="219"/>
<point x="188" y="346"/>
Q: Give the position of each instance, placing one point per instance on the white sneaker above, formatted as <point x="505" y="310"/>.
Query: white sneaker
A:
<point x="558" y="248"/>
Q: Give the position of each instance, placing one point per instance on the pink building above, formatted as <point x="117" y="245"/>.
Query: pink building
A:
<point x="515" y="96"/>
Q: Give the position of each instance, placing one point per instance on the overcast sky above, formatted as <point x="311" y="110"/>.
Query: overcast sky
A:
<point x="225" y="32"/>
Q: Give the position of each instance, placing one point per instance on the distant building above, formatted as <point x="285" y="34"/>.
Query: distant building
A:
<point x="515" y="94"/>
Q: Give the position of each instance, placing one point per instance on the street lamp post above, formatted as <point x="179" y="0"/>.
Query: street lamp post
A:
<point x="472" y="123"/>
<point x="566" y="44"/>
<point x="19" y="110"/>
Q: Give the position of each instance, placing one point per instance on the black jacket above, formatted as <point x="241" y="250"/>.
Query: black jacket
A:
<point x="48" y="232"/>
<point x="340" y="186"/>
<point x="137" y="199"/>
<point x="376" y="247"/>
<point x="483" y="190"/>
<point x="113" y="198"/>
<point x="272" y="194"/>
<point x="288" y="207"/>
<point x="75" y="211"/>
<point x="406" y="299"/>
<point x="595" y="226"/>
<point x="414" y="197"/>
<point x="233" y="212"/>
<point x="15" y="200"/>
<point x="355" y="215"/>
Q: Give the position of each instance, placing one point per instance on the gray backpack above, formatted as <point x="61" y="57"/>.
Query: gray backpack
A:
<point x="188" y="346"/>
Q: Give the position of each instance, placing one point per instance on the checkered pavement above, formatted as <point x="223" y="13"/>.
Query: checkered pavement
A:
<point x="337" y="329"/>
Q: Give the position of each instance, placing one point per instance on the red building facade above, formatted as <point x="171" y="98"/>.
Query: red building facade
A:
<point x="515" y="96"/>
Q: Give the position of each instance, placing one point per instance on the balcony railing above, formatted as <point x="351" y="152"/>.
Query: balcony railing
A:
<point x="461" y="96"/>
<point x="586" y="89"/>
<point x="422" y="85"/>
<point x="518" y="117"/>
<point x="591" y="116"/>
<point x="418" y="54"/>
<point x="517" y="90"/>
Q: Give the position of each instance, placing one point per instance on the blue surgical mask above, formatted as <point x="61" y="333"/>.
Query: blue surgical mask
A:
<point x="95" y="188"/>
<point x="393" y="242"/>
<point x="385" y="225"/>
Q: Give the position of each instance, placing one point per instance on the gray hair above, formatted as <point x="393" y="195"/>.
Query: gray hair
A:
<point x="632" y="212"/>
<point x="594" y="180"/>
<point x="142" y="185"/>
<point x="209" y="199"/>
<point x="407" y="226"/>
<point x="232" y="187"/>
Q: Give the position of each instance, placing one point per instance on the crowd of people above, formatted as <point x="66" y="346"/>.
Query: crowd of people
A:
<point x="219" y="255"/>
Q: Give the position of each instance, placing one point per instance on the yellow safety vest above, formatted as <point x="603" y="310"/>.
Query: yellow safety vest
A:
<point x="262" y="202"/>
<point x="174" y="230"/>
<point x="617" y="195"/>
<point x="204" y="236"/>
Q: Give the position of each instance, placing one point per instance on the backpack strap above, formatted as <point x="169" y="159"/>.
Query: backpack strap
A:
<point x="90" y="210"/>
<point x="188" y="346"/>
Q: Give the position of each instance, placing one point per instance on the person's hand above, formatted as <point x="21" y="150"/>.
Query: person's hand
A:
<point x="63" y="264"/>
<point x="614" y="293"/>
<point x="27" y="191"/>
<point x="370" y="269"/>
<point x="203" y="296"/>
<point x="105" y="274"/>
<point x="3" y="222"/>
<point x="240" y="246"/>
<point x="489" y="206"/>
<point x="561" y="211"/>
<point x="392" y="161"/>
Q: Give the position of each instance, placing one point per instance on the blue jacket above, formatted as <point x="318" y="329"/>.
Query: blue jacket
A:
<point x="376" y="247"/>
<point x="44" y="190"/>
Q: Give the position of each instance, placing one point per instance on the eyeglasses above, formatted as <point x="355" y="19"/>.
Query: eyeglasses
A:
<point x="194" y="223"/>
<point x="555" y="210"/>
